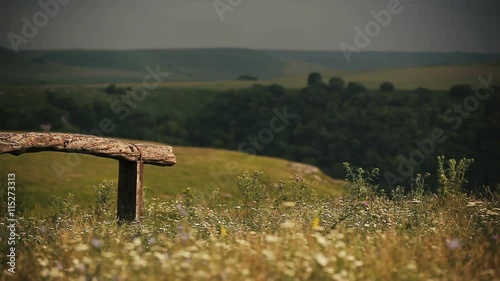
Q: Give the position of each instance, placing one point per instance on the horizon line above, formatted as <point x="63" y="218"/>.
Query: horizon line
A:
<point x="243" y="48"/>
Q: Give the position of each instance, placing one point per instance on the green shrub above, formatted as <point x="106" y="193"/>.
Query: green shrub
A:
<point x="451" y="175"/>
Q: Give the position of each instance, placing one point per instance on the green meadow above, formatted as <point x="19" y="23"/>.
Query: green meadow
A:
<point x="40" y="176"/>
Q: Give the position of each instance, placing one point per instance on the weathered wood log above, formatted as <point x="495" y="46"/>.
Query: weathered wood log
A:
<point x="132" y="158"/>
<point x="19" y="143"/>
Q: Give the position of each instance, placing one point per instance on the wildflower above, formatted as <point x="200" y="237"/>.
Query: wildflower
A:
<point x="136" y="242"/>
<point x="270" y="256"/>
<point x="151" y="240"/>
<point x="411" y="266"/>
<point x="496" y="237"/>
<point x="340" y="236"/>
<point x="321" y="259"/>
<point x="45" y="272"/>
<point x="321" y="240"/>
<point x="81" y="248"/>
<point x="139" y="262"/>
<point x="298" y="178"/>
<point x="474" y="203"/>
<point x="181" y="209"/>
<point x="453" y="244"/>
<point x="342" y="254"/>
<point x="271" y="238"/>
<point x="161" y="256"/>
<point x="340" y="245"/>
<point x="223" y="232"/>
<point x="316" y="224"/>
<point x="43" y="262"/>
<point x="358" y="263"/>
<point x="108" y="255"/>
<point x="288" y="224"/>
<point x="96" y="243"/>
<point x="491" y="213"/>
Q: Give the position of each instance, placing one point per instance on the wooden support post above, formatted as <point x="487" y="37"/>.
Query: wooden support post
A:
<point x="130" y="190"/>
<point x="140" y="191"/>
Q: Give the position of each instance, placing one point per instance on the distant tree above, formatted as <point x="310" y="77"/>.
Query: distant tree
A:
<point x="39" y="60"/>
<point x="355" y="88"/>
<point x="101" y="108"/>
<point x="314" y="78"/>
<point x="84" y="117"/>
<point x="62" y="102"/>
<point x="336" y="84"/>
<point x="247" y="77"/>
<point x="277" y="90"/>
<point x="461" y="91"/>
<point x="111" y="89"/>
<point x="387" y="87"/>
<point x="424" y="95"/>
<point x="316" y="95"/>
<point x="49" y="115"/>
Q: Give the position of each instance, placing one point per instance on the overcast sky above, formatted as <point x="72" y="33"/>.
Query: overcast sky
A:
<point x="423" y="25"/>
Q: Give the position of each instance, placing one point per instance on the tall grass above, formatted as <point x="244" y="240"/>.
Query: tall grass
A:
<point x="281" y="231"/>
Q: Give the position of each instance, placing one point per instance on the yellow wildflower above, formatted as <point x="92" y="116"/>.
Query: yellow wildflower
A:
<point x="316" y="224"/>
<point x="223" y="232"/>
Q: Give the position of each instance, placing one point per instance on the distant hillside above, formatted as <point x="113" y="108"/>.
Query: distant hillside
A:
<point x="381" y="60"/>
<point x="183" y="64"/>
<point x="224" y="64"/>
<point x="86" y="66"/>
<point x="22" y="68"/>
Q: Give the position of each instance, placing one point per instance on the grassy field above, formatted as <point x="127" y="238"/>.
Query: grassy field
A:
<point x="39" y="177"/>
<point x="268" y="233"/>
<point x="434" y="78"/>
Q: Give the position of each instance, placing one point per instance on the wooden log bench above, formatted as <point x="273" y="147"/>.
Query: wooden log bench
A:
<point x="131" y="157"/>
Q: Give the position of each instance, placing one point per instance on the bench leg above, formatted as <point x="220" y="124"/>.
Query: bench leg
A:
<point x="130" y="191"/>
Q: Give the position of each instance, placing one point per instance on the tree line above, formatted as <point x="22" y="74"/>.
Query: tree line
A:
<point x="400" y="132"/>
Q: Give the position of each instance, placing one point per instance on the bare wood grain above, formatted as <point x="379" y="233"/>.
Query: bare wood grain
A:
<point x="19" y="143"/>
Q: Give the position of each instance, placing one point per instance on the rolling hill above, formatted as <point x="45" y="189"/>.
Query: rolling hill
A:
<point x="37" y="182"/>
<point x="204" y="66"/>
<point x="369" y="60"/>
<point x="82" y="66"/>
